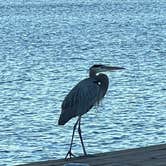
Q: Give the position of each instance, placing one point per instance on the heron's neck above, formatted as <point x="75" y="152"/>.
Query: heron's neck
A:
<point x="92" y="74"/>
<point x="103" y="79"/>
<point x="103" y="83"/>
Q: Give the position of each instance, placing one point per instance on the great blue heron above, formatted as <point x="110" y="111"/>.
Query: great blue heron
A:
<point x="83" y="97"/>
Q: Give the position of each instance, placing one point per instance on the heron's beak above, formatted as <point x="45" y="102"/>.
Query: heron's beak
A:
<point x="112" y="68"/>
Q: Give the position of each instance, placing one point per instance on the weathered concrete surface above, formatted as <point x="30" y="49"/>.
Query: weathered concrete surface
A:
<point x="145" y="156"/>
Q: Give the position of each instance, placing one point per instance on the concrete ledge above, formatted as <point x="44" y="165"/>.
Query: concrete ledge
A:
<point x="145" y="156"/>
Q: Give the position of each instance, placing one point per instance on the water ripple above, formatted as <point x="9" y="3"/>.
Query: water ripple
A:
<point x="46" y="48"/>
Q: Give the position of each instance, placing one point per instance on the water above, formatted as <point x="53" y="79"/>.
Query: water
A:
<point x="46" y="47"/>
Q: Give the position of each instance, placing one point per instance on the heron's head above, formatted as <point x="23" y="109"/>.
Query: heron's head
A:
<point x="103" y="68"/>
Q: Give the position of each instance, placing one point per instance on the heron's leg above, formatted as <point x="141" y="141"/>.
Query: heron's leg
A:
<point x="79" y="131"/>
<point x="69" y="152"/>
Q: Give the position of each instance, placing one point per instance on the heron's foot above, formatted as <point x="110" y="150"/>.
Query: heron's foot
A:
<point x="69" y="155"/>
<point x="85" y="154"/>
<point x="88" y="155"/>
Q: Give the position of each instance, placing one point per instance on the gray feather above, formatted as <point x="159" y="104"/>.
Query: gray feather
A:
<point x="80" y="99"/>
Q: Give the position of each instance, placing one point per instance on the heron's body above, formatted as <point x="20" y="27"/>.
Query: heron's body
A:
<point x="83" y="97"/>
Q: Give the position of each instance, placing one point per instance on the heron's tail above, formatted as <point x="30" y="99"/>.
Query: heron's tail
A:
<point x="61" y="120"/>
<point x="65" y="116"/>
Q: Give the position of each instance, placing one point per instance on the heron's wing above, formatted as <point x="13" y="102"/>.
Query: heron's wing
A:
<point x="82" y="97"/>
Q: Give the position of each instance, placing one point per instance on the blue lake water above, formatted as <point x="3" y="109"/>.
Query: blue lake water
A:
<point x="46" y="47"/>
